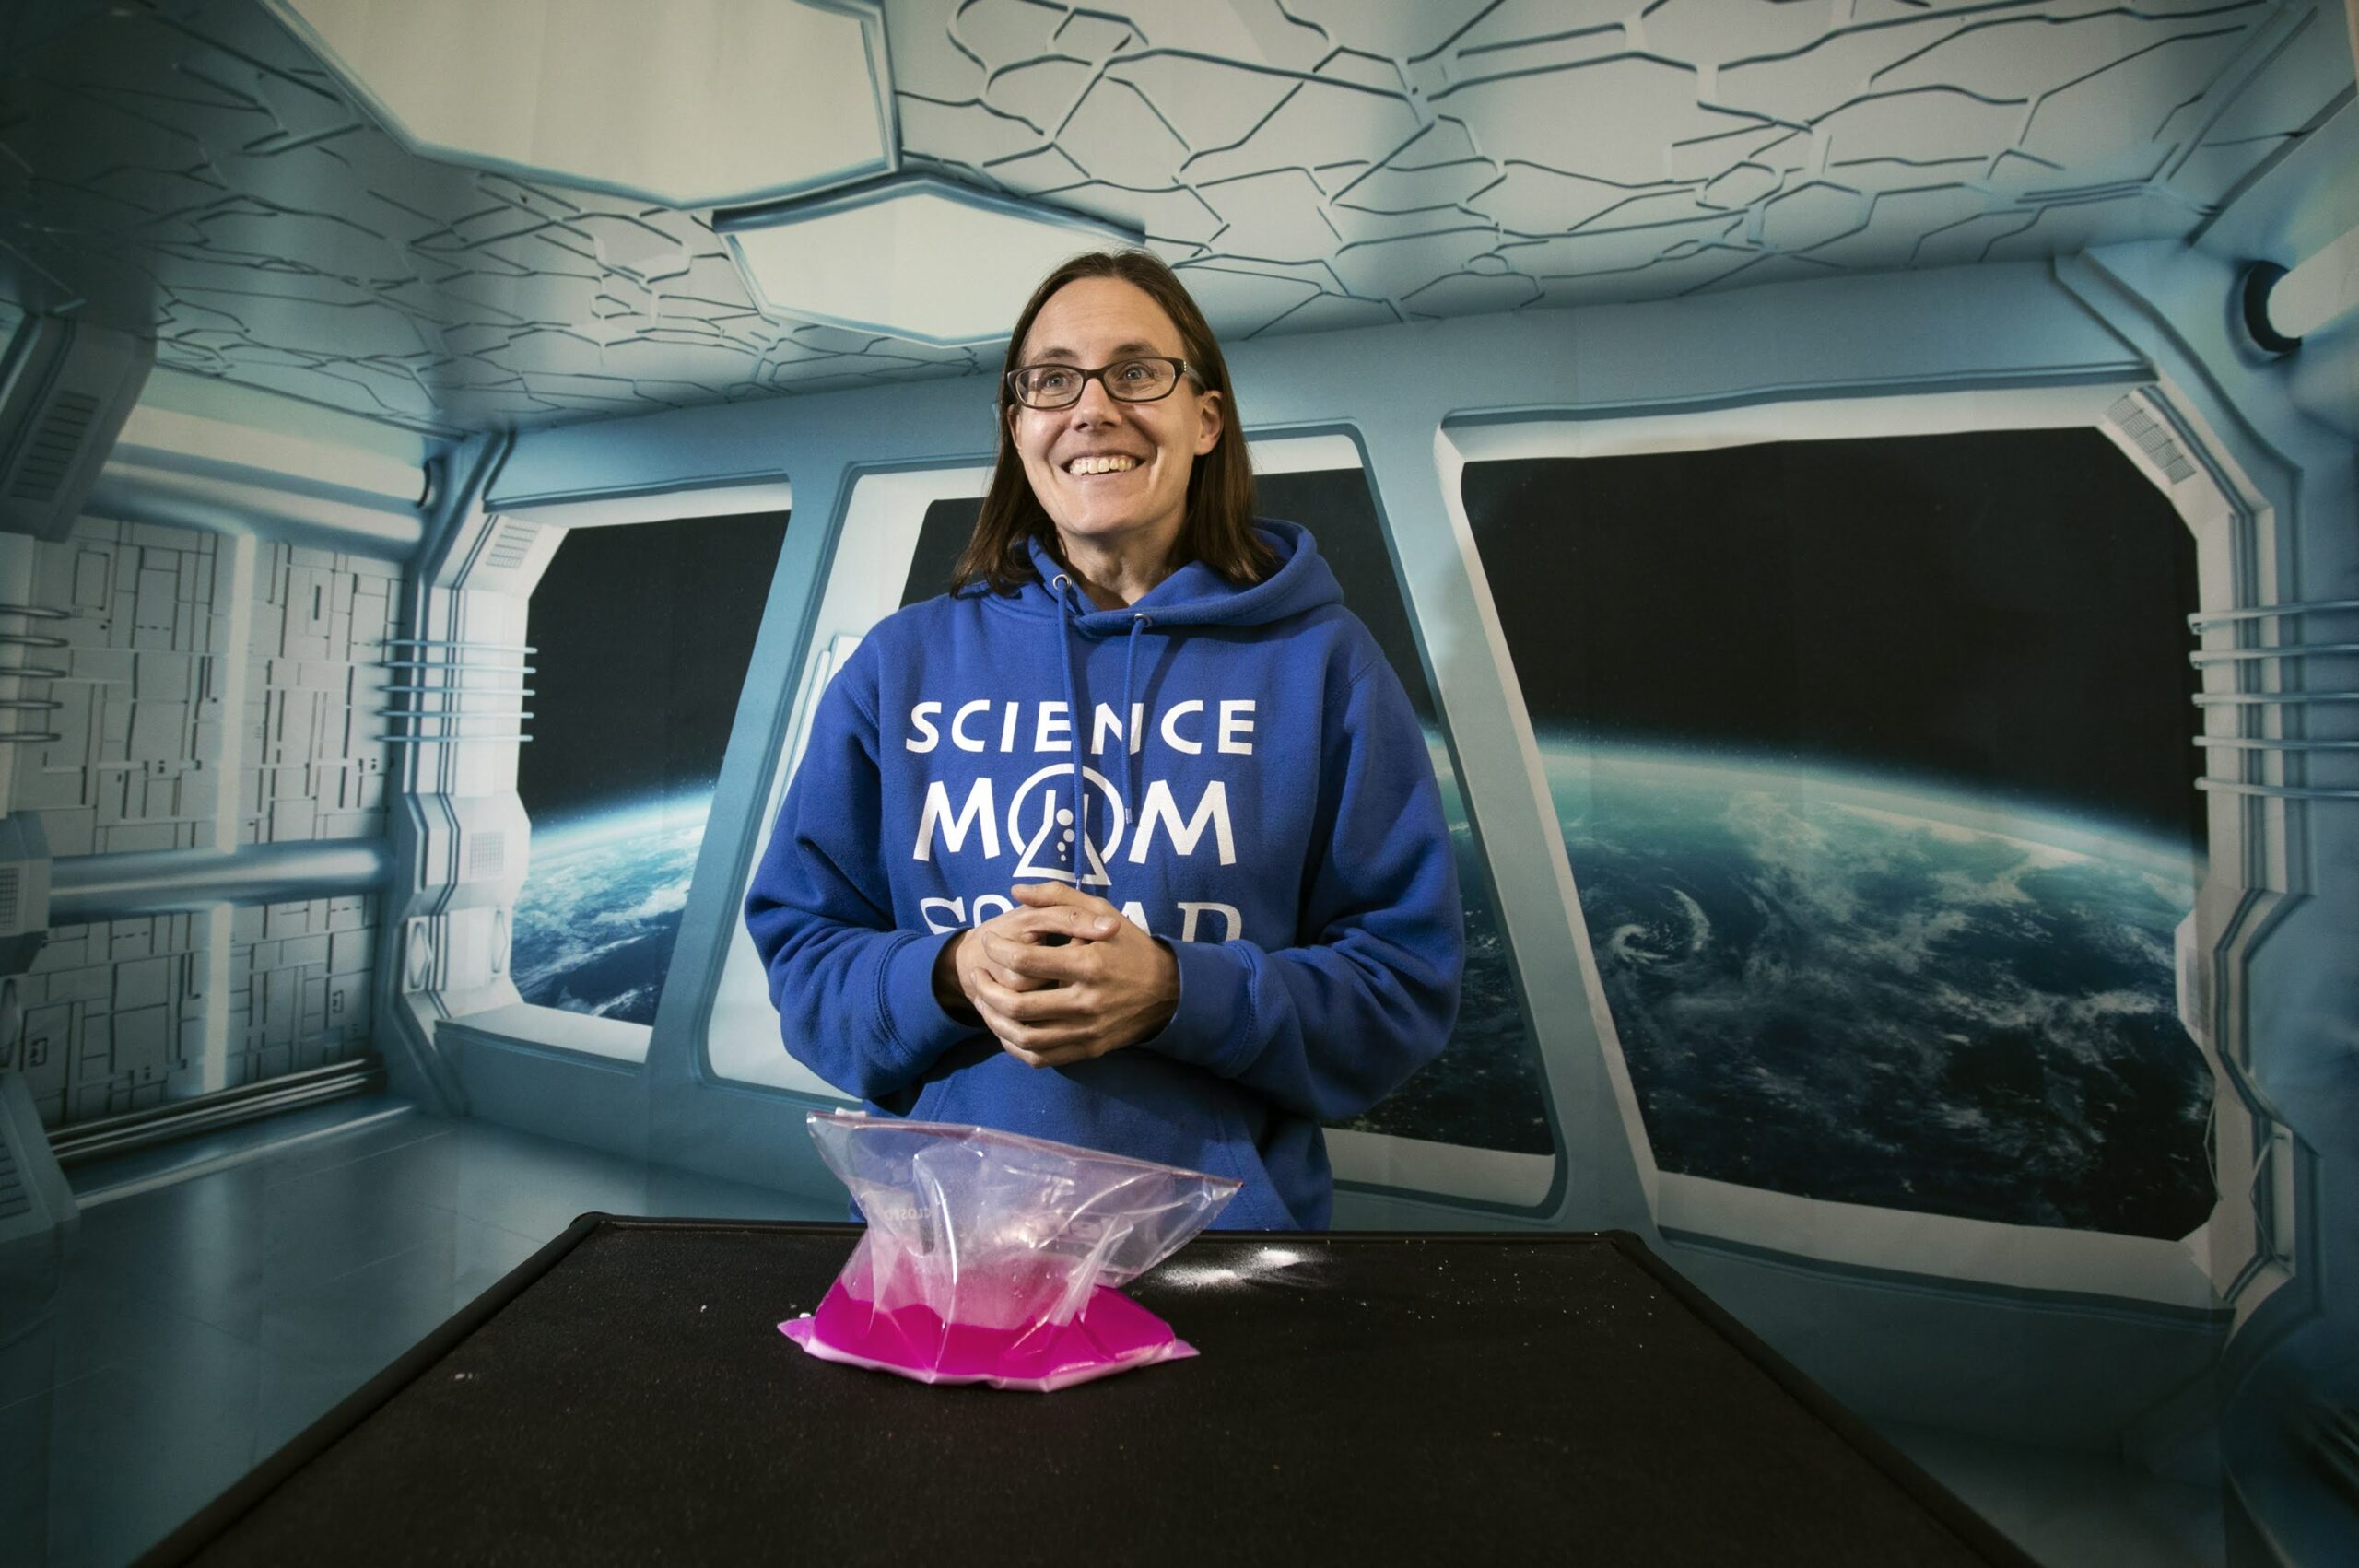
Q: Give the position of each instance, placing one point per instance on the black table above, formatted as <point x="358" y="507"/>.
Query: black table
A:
<point x="625" y="1397"/>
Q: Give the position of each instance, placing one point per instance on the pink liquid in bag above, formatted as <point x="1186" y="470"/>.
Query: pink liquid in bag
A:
<point x="991" y="1257"/>
<point x="1111" y="1333"/>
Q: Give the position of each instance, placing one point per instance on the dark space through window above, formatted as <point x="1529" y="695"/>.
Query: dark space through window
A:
<point x="644" y="634"/>
<point x="1872" y="759"/>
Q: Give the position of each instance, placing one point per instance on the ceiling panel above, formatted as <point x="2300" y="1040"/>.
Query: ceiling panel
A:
<point x="188" y="168"/>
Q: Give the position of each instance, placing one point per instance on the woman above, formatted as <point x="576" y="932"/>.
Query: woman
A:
<point x="1130" y="841"/>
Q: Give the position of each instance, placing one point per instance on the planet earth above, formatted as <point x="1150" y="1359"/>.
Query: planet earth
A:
<point x="1832" y="986"/>
<point x="595" y="924"/>
<point x="1484" y="1090"/>
<point x="1825" y="985"/>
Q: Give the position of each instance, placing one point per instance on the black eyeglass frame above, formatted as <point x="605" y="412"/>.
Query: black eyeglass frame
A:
<point x="1180" y="368"/>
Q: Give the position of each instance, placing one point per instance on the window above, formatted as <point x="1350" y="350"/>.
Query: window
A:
<point x="879" y="564"/>
<point x="643" y="634"/>
<point x="1485" y="1091"/>
<point x="1870" y="758"/>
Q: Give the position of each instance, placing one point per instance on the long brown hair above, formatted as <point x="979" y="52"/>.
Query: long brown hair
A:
<point x="1218" y="528"/>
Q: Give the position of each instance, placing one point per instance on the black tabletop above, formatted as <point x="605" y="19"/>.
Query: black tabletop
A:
<point x="626" y="1398"/>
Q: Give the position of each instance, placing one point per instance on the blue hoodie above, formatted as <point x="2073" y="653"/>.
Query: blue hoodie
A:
<point x="1254" y="790"/>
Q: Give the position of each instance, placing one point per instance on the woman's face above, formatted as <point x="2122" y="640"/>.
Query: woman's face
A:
<point x="1135" y="457"/>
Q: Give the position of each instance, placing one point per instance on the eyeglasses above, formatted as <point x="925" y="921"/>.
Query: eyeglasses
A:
<point x="1146" y="380"/>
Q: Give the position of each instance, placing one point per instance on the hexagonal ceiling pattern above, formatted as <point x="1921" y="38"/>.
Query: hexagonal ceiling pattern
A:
<point x="186" y="166"/>
<point x="679" y="107"/>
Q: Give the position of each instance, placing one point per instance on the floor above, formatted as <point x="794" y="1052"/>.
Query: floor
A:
<point x="2073" y="1510"/>
<point x="220" y="1294"/>
<point x="216" y="1299"/>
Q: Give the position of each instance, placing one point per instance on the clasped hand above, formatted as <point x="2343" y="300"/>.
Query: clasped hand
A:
<point x="1108" y="986"/>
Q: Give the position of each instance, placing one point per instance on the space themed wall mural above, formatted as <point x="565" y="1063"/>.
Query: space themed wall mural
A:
<point x="1858" y="499"/>
<point x="628" y="737"/>
<point x="1486" y="1090"/>
<point x="1871" y="760"/>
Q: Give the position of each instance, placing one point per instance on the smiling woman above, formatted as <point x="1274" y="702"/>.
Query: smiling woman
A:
<point x="1226" y="908"/>
<point x="1125" y="460"/>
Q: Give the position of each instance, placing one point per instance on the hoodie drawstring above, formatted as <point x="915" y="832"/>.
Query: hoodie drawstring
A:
<point x="1073" y="709"/>
<point x="1129" y="715"/>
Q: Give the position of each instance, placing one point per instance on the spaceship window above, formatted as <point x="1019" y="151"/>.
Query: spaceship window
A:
<point x="1486" y="1090"/>
<point x="644" y="633"/>
<point x="948" y="524"/>
<point x="894" y="523"/>
<point x="1871" y="759"/>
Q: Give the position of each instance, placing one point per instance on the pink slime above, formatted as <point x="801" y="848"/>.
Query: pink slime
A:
<point x="1110" y="1333"/>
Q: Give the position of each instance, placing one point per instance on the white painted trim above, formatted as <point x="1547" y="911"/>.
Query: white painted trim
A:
<point x="667" y="506"/>
<point x="882" y="517"/>
<point x="1488" y="1176"/>
<point x="553" y="1027"/>
<point x="1940" y="1246"/>
<point x="1302" y="454"/>
<point x="1801" y="418"/>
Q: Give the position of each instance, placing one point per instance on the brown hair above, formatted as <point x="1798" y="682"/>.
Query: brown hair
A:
<point x="1218" y="528"/>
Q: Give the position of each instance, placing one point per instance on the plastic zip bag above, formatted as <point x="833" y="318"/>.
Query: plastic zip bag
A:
<point x="993" y="1257"/>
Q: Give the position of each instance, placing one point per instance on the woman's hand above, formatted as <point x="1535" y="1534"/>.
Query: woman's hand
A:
<point x="962" y="963"/>
<point x="1109" y="984"/>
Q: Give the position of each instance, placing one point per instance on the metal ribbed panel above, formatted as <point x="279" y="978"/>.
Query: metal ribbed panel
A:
<point x="51" y="451"/>
<point x="14" y="1197"/>
<point x="513" y="544"/>
<point x="2152" y="438"/>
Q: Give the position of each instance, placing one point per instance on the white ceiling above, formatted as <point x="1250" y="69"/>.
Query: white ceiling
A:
<point x="189" y="168"/>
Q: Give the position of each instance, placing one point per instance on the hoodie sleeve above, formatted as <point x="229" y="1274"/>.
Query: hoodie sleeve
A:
<point x="854" y="995"/>
<point x="1328" y="1028"/>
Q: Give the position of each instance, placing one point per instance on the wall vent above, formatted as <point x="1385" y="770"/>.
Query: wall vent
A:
<point x="487" y="852"/>
<point x="16" y="1197"/>
<point x="65" y="389"/>
<point x="53" y="449"/>
<point x="2149" y="436"/>
<point x="511" y="545"/>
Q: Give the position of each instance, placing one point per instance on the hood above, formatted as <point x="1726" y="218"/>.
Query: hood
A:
<point x="1196" y="595"/>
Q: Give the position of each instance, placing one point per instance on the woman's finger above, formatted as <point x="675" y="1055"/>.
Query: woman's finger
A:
<point x="985" y="963"/>
<point x="1063" y="922"/>
<point x="1025" y="958"/>
<point x="1046" y="897"/>
<point x="998" y="1003"/>
<point x="1049" y="1004"/>
<point x="1015" y="980"/>
<point x="1051" y="1052"/>
<point x="975" y="967"/>
<point x="1037" y="1045"/>
<point x="1021" y="1032"/>
<point x="1029" y="1059"/>
<point x="1065" y="1055"/>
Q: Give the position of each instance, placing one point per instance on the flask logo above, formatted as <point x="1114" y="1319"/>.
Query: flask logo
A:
<point x="1041" y="820"/>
